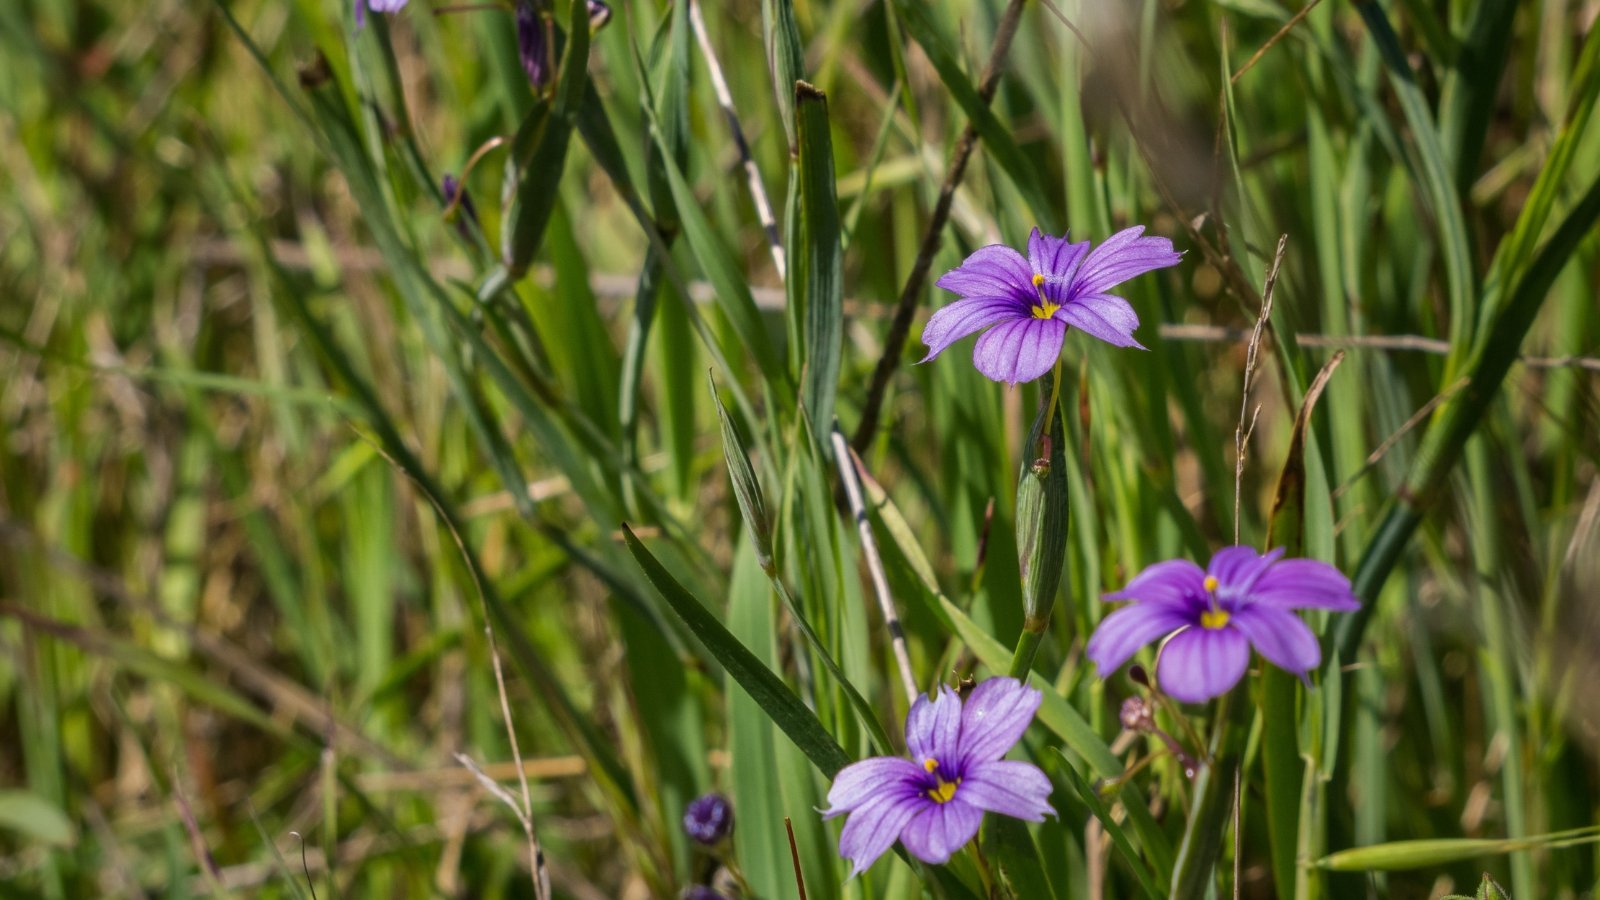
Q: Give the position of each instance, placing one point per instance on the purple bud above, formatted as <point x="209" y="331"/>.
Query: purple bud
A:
<point x="599" y="15"/>
<point x="532" y="45"/>
<point x="381" y="6"/>
<point x="450" y="186"/>
<point x="700" y="892"/>
<point x="709" y="819"/>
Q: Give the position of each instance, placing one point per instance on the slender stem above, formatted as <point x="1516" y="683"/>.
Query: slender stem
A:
<point x="900" y="327"/>
<point x="869" y="547"/>
<point x="758" y="191"/>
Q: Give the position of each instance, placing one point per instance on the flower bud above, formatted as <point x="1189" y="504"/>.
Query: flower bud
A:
<point x="709" y="819"/>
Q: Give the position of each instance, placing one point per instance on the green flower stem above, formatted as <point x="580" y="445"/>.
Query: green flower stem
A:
<point x="1212" y="801"/>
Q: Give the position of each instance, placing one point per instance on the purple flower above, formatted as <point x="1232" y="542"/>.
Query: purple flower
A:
<point x="708" y="819"/>
<point x="934" y="801"/>
<point x="700" y="892"/>
<point x="599" y="15"/>
<point x="533" y="45"/>
<point x="1032" y="302"/>
<point x="378" y="6"/>
<point x="1242" y="599"/>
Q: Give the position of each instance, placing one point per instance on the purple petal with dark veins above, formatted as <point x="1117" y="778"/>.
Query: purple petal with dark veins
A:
<point x="940" y="830"/>
<point x="1054" y="257"/>
<point x="1009" y="787"/>
<point x="1019" y="350"/>
<point x="1105" y="316"/>
<point x="1122" y="633"/>
<point x="994" y="717"/>
<point x="1279" y="636"/>
<point x="1121" y="257"/>
<point x="1201" y="663"/>
<point x="874" y="827"/>
<point x="963" y="317"/>
<point x="992" y="271"/>
<point x="859" y="782"/>
<point x="1175" y="581"/>
<point x="1304" y="584"/>
<point x="933" y="728"/>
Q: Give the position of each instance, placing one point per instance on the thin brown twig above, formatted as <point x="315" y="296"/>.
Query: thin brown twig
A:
<point x="1241" y="434"/>
<point x="910" y="296"/>
<point x="1389" y="442"/>
<point x="758" y="190"/>
<point x="1280" y="35"/>
<point x="794" y="853"/>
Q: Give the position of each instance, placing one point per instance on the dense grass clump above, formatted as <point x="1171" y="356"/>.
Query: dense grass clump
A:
<point x="479" y="451"/>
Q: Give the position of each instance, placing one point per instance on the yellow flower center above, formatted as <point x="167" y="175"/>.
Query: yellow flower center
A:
<point x="1045" y="309"/>
<point x="1211" y="584"/>
<point x="1212" y="619"/>
<point x="943" y="790"/>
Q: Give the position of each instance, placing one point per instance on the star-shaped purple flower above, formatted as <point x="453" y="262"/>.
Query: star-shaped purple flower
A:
<point x="1241" y="599"/>
<point x="1032" y="302"/>
<point x="934" y="801"/>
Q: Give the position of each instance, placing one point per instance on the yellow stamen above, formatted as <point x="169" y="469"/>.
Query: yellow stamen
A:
<point x="1211" y="584"/>
<point x="945" y="791"/>
<point x="1038" y="280"/>
<point x="1213" y="619"/>
<point x="1045" y="309"/>
<point x="930" y="764"/>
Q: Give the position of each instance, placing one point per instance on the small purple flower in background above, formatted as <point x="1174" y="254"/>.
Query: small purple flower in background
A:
<point x="708" y="819"/>
<point x="599" y="15"/>
<point x="700" y="892"/>
<point x="1031" y="302"/>
<point x="934" y="801"/>
<point x="455" y="195"/>
<point x="377" y="6"/>
<point x="1241" y="599"/>
<point x="533" y="44"/>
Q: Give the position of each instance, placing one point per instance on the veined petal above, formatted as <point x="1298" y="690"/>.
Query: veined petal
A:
<point x="963" y="317"/>
<point x="1175" y="581"/>
<point x="1237" y="568"/>
<point x="875" y="826"/>
<point x="1009" y="787"/>
<point x="933" y="728"/>
<point x="1278" y="635"/>
<point x="1201" y="663"/>
<point x="1121" y="257"/>
<point x="1105" y="316"/>
<point x="940" y="830"/>
<point x="994" y="717"/>
<point x="1123" y="632"/>
<point x="992" y="271"/>
<point x="1019" y="350"/>
<point x="1304" y="584"/>
<point x="859" y="782"/>
<point x="1054" y="257"/>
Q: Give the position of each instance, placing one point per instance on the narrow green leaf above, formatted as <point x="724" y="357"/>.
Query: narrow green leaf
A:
<point x="915" y="16"/>
<point x="820" y="259"/>
<point x="786" y="61"/>
<point x="1119" y="836"/>
<point x="34" y="818"/>
<point x="776" y="699"/>
<point x="1426" y="854"/>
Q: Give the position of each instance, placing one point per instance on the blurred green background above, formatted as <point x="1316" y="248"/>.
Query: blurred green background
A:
<point x="275" y="448"/>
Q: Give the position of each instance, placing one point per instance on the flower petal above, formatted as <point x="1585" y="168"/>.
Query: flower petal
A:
<point x="1280" y="636"/>
<point x="874" y="827"/>
<point x="963" y="317"/>
<point x="1054" y="257"/>
<point x="1177" y="582"/>
<point x="1121" y="257"/>
<point x="859" y="782"/>
<point x="940" y="830"/>
<point x="1122" y="633"/>
<point x="1019" y="350"/>
<point x="1009" y="787"/>
<point x="1201" y="663"/>
<point x="1237" y="568"/>
<point x="1104" y="316"/>
<point x="933" y="728"/>
<point x="1304" y="584"/>
<point x="994" y="717"/>
<point x="992" y="271"/>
